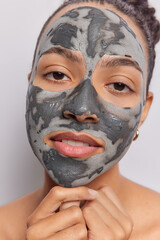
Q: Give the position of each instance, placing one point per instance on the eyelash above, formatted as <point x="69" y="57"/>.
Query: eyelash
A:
<point x="123" y="91"/>
<point x="60" y="81"/>
<point x="56" y="80"/>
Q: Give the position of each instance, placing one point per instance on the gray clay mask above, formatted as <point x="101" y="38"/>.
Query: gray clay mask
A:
<point x="94" y="32"/>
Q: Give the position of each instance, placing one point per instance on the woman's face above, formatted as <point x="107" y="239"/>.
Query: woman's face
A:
<point x="86" y="94"/>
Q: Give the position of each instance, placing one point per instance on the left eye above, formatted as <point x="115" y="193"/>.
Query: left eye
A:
<point x="120" y="87"/>
<point x="56" y="76"/>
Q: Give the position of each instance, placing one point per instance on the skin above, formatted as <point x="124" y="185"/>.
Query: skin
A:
<point x="112" y="211"/>
<point x="88" y="94"/>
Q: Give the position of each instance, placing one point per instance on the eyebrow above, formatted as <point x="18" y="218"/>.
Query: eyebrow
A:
<point x="120" y="62"/>
<point x="65" y="53"/>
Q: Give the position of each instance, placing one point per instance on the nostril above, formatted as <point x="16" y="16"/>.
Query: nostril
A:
<point x="68" y="114"/>
<point x="90" y="119"/>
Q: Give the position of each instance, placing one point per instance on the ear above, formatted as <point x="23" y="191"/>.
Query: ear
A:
<point x="29" y="76"/>
<point x="146" y="107"/>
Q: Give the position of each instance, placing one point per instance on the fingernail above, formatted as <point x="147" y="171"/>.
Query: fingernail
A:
<point x="92" y="192"/>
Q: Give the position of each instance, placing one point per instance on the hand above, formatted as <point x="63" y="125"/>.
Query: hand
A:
<point x="105" y="217"/>
<point x="46" y="223"/>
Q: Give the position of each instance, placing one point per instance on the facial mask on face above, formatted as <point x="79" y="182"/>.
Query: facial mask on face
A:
<point x="94" y="32"/>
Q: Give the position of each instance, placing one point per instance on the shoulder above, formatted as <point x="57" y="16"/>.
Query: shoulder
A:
<point x="10" y="226"/>
<point x="144" y="208"/>
<point x="13" y="217"/>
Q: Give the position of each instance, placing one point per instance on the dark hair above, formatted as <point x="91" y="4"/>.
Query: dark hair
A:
<point x="143" y="16"/>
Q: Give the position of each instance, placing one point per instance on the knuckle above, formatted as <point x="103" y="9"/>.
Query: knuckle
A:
<point x="76" y="212"/>
<point x="124" y="233"/>
<point x="129" y="226"/>
<point x="120" y="234"/>
<point x="81" y="230"/>
<point x="30" y="234"/>
<point x="87" y="210"/>
<point x="55" y="192"/>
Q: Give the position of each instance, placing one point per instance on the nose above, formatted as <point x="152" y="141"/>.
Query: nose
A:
<point x="82" y="104"/>
<point x="81" y="118"/>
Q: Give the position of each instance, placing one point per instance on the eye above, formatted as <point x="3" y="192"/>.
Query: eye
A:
<point x="119" y="87"/>
<point x="56" y="76"/>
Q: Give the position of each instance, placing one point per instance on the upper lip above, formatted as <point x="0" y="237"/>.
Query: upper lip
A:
<point x="81" y="137"/>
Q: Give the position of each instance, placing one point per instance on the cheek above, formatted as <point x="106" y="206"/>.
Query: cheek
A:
<point x="119" y="123"/>
<point x="65" y="170"/>
<point x="43" y="106"/>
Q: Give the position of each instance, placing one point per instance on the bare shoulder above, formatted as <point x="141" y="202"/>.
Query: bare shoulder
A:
<point x="9" y="220"/>
<point x="12" y="220"/>
<point x="13" y="217"/>
<point x="144" y="208"/>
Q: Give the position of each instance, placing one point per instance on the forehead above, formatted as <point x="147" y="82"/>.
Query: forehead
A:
<point x="95" y="32"/>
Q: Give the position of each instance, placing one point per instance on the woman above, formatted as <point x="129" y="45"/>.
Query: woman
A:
<point x="87" y="97"/>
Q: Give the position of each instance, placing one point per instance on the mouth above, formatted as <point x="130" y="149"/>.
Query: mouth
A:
<point x="76" y="145"/>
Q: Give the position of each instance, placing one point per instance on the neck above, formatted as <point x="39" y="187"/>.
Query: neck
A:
<point x="111" y="178"/>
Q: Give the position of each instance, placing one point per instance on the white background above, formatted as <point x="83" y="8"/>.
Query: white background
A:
<point x="20" y="171"/>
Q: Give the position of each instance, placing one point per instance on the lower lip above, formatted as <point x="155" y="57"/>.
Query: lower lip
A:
<point x="75" y="151"/>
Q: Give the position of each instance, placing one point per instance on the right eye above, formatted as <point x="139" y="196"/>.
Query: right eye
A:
<point x="56" y="76"/>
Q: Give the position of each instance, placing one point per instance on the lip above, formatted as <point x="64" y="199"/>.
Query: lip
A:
<point x="92" y="145"/>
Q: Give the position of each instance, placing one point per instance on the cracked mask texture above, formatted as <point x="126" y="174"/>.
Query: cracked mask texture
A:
<point x="95" y="32"/>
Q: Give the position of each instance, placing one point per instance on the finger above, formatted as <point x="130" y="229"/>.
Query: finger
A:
<point x="97" y="229"/>
<point x="110" y="201"/>
<point x="76" y="232"/>
<point x="108" y="191"/>
<point x="58" y="195"/>
<point x="56" y="223"/>
<point x="115" y="227"/>
<point x="69" y="204"/>
<point x="112" y="205"/>
<point x="107" y="204"/>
